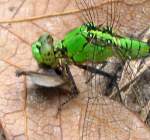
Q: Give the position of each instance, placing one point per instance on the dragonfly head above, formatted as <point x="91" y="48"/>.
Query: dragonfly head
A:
<point x="43" y="51"/>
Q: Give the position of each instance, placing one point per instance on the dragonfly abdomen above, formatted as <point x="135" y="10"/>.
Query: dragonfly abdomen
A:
<point x="127" y="47"/>
<point x="133" y="48"/>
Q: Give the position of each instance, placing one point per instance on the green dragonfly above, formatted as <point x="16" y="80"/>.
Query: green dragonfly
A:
<point x="94" y="42"/>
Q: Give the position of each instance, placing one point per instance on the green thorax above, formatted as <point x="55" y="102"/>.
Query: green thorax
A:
<point x="83" y="44"/>
<point x="80" y="49"/>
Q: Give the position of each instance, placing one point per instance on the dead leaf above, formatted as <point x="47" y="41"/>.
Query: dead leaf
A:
<point x="27" y="114"/>
<point x="2" y="135"/>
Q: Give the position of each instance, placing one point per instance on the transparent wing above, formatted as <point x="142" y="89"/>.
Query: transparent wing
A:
<point x="88" y="10"/>
<point x="103" y="120"/>
<point x="106" y="119"/>
<point x="124" y="16"/>
<point x="101" y="13"/>
<point x="128" y="18"/>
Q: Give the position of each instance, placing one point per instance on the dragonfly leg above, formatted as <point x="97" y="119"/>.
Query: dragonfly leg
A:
<point x="74" y="90"/>
<point x="112" y="82"/>
<point x="20" y="72"/>
<point x="96" y="71"/>
<point x="70" y="97"/>
<point x="101" y="67"/>
<point x="73" y="84"/>
<point x="114" y="94"/>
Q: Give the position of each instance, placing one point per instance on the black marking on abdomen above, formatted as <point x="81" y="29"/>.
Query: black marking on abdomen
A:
<point x="139" y="47"/>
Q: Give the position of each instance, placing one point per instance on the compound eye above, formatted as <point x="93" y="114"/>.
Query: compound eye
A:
<point x="38" y="45"/>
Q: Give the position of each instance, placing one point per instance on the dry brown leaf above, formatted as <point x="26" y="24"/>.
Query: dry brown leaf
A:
<point x="27" y="115"/>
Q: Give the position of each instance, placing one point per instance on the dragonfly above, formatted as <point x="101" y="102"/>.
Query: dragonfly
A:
<point x="87" y="46"/>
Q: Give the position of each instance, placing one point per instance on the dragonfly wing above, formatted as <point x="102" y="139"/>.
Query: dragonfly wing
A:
<point x="145" y="35"/>
<point x="105" y="118"/>
<point x="101" y="13"/>
<point x="134" y="86"/>
<point x="119" y="16"/>
<point x="88" y="10"/>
